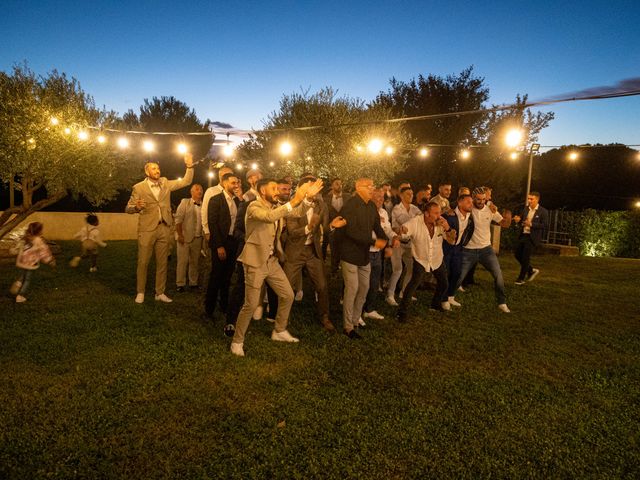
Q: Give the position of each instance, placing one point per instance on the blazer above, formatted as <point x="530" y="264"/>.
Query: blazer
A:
<point x="355" y="238"/>
<point x="332" y="212"/>
<point x="156" y="211"/>
<point x="263" y="227"/>
<point x="296" y="236"/>
<point x="220" y="219"/>
<point x="454" y="222"/>
<point x="187" y="215"/>
<point x="539" y="224"/>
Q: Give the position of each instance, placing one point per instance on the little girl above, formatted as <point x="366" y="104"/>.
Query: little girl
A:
<point x="32" y="250"/>
<point x="89" y="237"/>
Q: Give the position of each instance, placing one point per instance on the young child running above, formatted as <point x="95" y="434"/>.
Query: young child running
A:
<point x="31" y="250"/>
<point x="89" y="237"/>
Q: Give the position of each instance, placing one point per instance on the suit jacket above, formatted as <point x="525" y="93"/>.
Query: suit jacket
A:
<point x="296" y="235"/>
<point x="332" y="212"/>
<point x="454" y="222"/>
<point x="263" y="227"/>
<point x="220" y="219"/>
<point x="539" y="224"/>
<point x="187" y="215"/>
<point x="158" y="210"/>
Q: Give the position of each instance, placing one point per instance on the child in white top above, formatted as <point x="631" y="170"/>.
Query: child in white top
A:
<point x="90" y="239"/>
<point x="31" y="250"/>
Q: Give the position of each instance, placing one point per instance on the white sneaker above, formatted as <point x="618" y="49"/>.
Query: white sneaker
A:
<point x="503" y="308"/>
<point x="452" y="301"/>
<point x="445" y="306"/>
<point x="460" y="289"/>
<point x="163" y="298"/>
<point x="75" y="261"/>
<point x="533" y="275"/>
<point x="299" y="295"/>
<point x="15" y="288"/>
<point x="20" y="299"/>
<point x="139" y="298"/>
<point x="257" y="314"/>
<point x="373" y="314"/>
<point x="414" y="299"/>
<point x="271" y="320"/>
<point x="236" y="349"/>
<point x="392" y="301"/>
<point x="361" y="322"/>
<point x="283" y="336"/>
<point x="93" y="269"/>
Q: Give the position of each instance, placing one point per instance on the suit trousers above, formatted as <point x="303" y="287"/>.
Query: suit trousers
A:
<point x="419" y="272"/>
<point x="148" y="242"/>
<point x="220" y="277"/>
<point x="523" y="255"/>
<point x="356" y="286"/>
<point x="188" y="256"/>
<point x="453" y="262"/>
<point x="376" y="259"/>
<point x="254" y="277"/>
<point x="307" y="258"/>
<point x="400" y="256"/>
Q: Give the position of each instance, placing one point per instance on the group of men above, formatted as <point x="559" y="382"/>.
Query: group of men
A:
<point x="269" y="235"/>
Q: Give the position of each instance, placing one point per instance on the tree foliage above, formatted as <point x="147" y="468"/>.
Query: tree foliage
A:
<point x="330" y="151"/>
<point x="44" y="163"/>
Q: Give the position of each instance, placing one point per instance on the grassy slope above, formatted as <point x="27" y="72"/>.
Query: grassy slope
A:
<point x="93" y="385"/>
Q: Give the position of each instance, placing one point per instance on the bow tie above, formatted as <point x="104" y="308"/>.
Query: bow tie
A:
<point x="198" y="204"/>
<point x="155" y="185"/>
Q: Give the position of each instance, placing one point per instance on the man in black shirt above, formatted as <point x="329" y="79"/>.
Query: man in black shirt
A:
<point x="362" y="219"/>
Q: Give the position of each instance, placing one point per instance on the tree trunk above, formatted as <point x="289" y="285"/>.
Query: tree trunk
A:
<point x="7" y="223"/>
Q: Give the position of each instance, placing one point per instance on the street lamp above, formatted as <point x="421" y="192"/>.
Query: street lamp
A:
<point x="534" y="148"/>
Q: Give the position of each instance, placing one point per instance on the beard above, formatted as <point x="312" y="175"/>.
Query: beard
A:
<point x="271" y="199"/>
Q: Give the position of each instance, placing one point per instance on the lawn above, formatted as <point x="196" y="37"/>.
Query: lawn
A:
<point x="95" y="386"/>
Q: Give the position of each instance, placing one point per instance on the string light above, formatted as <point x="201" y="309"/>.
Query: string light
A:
<point x="54" y="121"/>
<point x="123" y="142"/>
<point x="254" y="166"/>
<point x="375" y="145"/>
<point x="389" y="150"/>
<point x="102" y="139"/>
<point x="82" y="135"/>
<point x="573" y="156"/>
<point x="637" y="204"/>
<point x="227" y="150"/>
<point x="359" y="148"/>
<point x="67" y="130"/>
<point x="147" y="146"/>
<point x="424" y="152"/>
<point x="286" y="148"/>
<point x="513" y="138"/>
<point x="182" y="148"/>
<point x="238" y="166"/>
<point x="272" y="164"/>
<point x="465" y="154"/>
<point x="211" y="174"/>
<point x="513" y="156"/>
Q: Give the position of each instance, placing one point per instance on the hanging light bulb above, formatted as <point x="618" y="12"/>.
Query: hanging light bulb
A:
<point x="102" y="139"/>
<point x="182" y="148"/>
<point x="82" y="135"/>
<point x="123" y="142"/>
<point x="424" y="152"/>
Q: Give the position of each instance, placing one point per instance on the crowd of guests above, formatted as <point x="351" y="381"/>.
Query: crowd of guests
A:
<point x="279" y="229"/>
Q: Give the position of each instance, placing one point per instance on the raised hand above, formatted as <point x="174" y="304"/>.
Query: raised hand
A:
<point x="314" y="188"/>
<point x="188" y="160"/>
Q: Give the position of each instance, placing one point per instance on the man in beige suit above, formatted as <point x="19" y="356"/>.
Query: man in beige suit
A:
<point x="189" y="230"/>
<point x="261" y="254"/>
<point x="151" y="198"/>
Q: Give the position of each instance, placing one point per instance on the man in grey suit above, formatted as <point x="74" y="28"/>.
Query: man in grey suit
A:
<point x="335" y="199"/>
<point x="303" y="248"/>
<point x="189" y="230"/>
<point x="260" y="257"/>
<point x="151" y="198"/>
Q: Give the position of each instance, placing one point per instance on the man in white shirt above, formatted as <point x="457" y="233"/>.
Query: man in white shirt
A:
<point x="377" y="257"/>
<point x="401" y="214"/>
<point x="442" y="199"/>
<point x="479" y="249"/>
<point x="427" y="233"/>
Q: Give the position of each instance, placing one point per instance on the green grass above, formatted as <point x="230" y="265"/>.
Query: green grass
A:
<point x="94" y="386"/>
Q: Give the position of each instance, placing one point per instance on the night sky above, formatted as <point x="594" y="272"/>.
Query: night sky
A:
<point x="233" y="61"/>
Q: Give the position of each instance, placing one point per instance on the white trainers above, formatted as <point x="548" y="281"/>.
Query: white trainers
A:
<point x="139" y="298"/>
<point x="414" y="299"/>
<point x="452" y="301"/>
<point x="460" y="289"/>
<point x="75" y="261"/>
<point x="236" y="349"/>
<point x="299" y="295"/>
<point x="445" y="306"/>
<point x="361" y="322"/>
<point x="15" y="287"/>
<point x="283" y="336"/>
<point x="391" y="301"/>
<point x="373" y="314"/>
<point x="20" y="299"/>
<point x="271" y="320"/>
<point x="163" y="298"/>
<point x="93" y="269"/>
<point x="257" y="314"/>
<point x="533" y="275"/>
<point x="503" y="308"/>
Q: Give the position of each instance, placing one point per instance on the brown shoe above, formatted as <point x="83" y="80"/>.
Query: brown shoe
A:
<point x="327" y="325"/>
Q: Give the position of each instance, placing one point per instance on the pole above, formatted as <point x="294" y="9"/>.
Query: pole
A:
<point x="11" y="193"/>
<point x="529" y="176"/>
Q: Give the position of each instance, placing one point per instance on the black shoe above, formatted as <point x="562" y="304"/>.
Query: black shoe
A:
<point x="353" y="335"/>
<point x="180" y="289"/>
<point x="229" y="329"/>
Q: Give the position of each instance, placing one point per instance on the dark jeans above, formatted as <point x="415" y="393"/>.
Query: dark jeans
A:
<point x="374" y="281"/>
<point x="453" y="263"/>
<point x="419" y="272"/>
<point x="272" y="297"/>
<point x="489" y="260"/>
<point x="24" y="277"/>
<point x="220" y="278"/>
<point x="523" y="255"/>
<point x="236" y="301"/>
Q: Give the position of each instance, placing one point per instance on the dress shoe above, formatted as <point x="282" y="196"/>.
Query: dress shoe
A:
<point x="283" y="336"/>
<point x="236" y="349"/>
<point x="374" y="315"/>
<point x="453" y="302"/>
<point x="180" y="289"/>
<point x="353" y="335"/>
<point x="139" y="298"/>
<point x="163" y="298"/>
<point x="503" y="308"/>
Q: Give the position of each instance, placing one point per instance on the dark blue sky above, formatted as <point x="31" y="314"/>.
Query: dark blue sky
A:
<point x="233" y="61"/>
